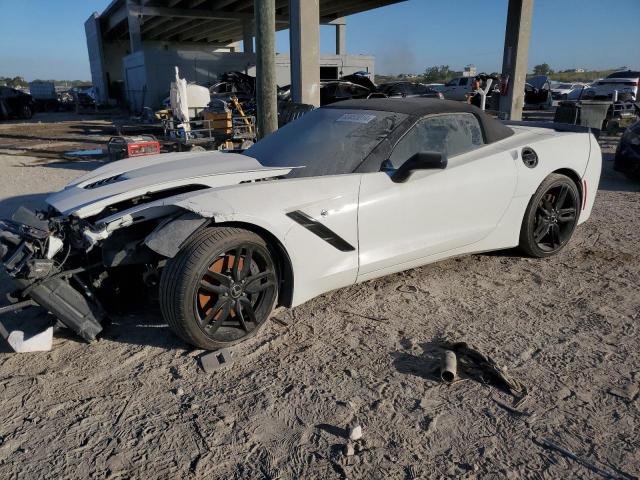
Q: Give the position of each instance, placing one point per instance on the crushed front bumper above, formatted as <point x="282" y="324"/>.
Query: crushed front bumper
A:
<point x="26" y="256"/>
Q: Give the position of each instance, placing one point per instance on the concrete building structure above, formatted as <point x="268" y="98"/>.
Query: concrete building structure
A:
<point x="470" y="71"/>
<point x="132" y="39"/>
<point x="132" y="56"/>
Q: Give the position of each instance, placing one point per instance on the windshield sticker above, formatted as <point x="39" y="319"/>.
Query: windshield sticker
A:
<point x="356" y="118"/>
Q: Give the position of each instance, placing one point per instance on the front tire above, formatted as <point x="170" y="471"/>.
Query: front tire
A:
<point x="220" y="289"/>
<point x="551" y="217"/>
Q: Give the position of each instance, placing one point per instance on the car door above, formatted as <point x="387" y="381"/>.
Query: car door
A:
<point x="434" y="211"/>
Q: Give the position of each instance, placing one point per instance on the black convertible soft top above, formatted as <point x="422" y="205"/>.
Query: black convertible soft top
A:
<point x="493" y="129"/>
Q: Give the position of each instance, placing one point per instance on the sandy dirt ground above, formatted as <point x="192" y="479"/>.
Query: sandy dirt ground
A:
<point x="136" y="404"/>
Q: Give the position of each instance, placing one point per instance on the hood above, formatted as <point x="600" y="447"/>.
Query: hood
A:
<point x="538" y="81"/>
<point x="171" y="173"/>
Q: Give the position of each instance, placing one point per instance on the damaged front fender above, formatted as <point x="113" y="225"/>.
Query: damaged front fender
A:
<point x="170" y="235"/>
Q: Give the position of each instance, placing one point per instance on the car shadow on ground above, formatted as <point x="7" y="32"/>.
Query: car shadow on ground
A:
<point x="144" y="329"/>
<point x="81" y="138"/>
<point x="65" y="116"/>
<point x="84" y="164"/>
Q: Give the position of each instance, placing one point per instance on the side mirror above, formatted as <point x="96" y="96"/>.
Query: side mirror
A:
<point x="419" y="161"/>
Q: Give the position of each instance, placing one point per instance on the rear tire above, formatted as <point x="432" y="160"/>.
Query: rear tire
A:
<point x="551" y="217"/>
<point x="211" y="299"/>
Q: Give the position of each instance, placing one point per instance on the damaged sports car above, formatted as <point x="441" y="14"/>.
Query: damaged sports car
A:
<point x="347" y="193"/>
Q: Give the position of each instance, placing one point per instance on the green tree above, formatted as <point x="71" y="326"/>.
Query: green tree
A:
<point x="19" y="82"/>
<point x="542" y="69"/>
<point x="439" y="74"/>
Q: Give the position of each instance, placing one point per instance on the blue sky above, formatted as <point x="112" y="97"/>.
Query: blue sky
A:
<point x="45" y="38"/>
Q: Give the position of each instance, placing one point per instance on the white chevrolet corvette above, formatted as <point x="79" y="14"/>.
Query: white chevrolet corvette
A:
<point x="347" y="193"/>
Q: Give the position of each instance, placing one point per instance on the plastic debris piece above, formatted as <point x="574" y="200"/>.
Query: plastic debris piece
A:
<point x="40" y="342"/>
<point x="217" y="360"/>
<point x="449" y="369"/>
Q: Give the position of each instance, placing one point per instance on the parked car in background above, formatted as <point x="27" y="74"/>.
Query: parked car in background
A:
<point x="627" y="159"/>
<point x="438" y="87"/>
<point x="234" y="84"/>
<point x="339" y="90"/>
<point x="537" y="92"/>
<point x="561" y="91"/>
<point x="626" y="83"/>
<point x="576" y="94"/>
<point x="14" y="103"/>
<point x="408" y="89"/>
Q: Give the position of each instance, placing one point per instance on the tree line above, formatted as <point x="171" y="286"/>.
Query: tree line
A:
<point x="443" y="74"/>
<point x="20" y="82"/>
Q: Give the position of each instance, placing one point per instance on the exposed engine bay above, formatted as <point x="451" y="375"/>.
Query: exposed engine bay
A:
<point x="52" y="261"/>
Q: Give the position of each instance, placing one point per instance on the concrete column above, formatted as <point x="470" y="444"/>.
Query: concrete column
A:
<point x="341" y="36"/>
<point x="304" y="40"/>
<point x="247" y="36"/>
<point x="266" y="86"/>
<point x="135" y="38"/>
<point x="515" y="57"/>
<point x="96" y="57"/>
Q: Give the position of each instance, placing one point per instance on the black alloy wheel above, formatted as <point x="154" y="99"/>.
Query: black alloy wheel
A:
<point x="551" y="217"/>
<point x="220" y="288"/>
<point x="230" y="300"/>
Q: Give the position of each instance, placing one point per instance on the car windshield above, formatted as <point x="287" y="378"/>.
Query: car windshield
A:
<point x="564" y="86"/>
<point x="326" y="141"/>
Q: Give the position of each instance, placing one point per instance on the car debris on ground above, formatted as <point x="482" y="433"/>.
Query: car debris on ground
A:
<point x="480" y="366"/>
<point x="449" y="368"/>
<point x="28" y="338"/>
<point x="221" y="358"/>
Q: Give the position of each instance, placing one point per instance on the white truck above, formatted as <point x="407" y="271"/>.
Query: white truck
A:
<point x="458" y="88"/>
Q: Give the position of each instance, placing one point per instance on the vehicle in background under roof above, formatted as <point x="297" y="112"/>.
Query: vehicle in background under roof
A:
<point x="404" y="89"/>
<point x="627" y="159"/>
<point x="537" y="92"/>
<point x="561" y="91"/>
<point x="625" y="83"/>
<point x="16" y="104"/>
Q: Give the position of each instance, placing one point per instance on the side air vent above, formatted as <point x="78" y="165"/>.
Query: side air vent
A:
<point x="103" y="182"/>
<point x="529" y="157"/>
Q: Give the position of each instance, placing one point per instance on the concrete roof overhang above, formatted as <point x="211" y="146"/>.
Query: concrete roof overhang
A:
<point x="210" y="21"/>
